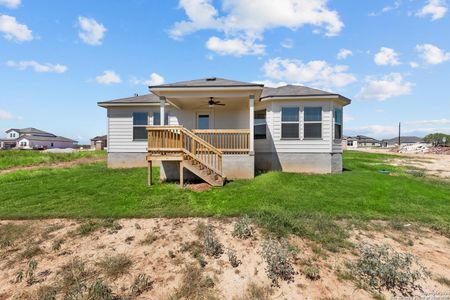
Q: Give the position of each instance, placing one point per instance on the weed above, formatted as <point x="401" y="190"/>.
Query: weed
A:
<point x="10" y="233"/>
<point x="232" y="258"/>
<point x="141" y="284"/>
<point x="115" y="266"/>
<point x="73" y="274"/>
<point x="199" y="257"/>
<point x="171" y="254"/>
<point x="46" y="292"/>
<point x="99" y="291"/>
<point x="32" y="265"/>
<point x="381" y="267"/>
<point x="195" y="285"/>
<point x="149" y="238"/>
<point x="200" y="229"/>
<point x="137" y="226"/>
<point x="92" y="225"/>
<point x="19" y="277"/>
<point x="48" y="230"/>
<point x="56" y="245"/>
<point x="443" y="280"/>
<point x="276" y="255"/>
<point x="312" y="273"/>
<point x="211" y="243"/>
<point x="242" y="228"/>
<point x="256" y="292"/>
<point x="129" y="239"/>
<point x="30" y="251"/>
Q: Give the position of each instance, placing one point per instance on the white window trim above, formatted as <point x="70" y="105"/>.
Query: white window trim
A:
<point x="290" y="122"/>
<point x="133" y="126"/>
<point x="265" y="124"/>
<point x="336" y="123"/>
<point x="313" y="122"/>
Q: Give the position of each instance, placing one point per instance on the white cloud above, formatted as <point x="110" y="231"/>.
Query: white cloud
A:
<point x="414" y="65"/>
<point x="5" y="115"/>
<point x="376" y="131"/>
<point x="381" y="89"/>
<point x="317" y="72"/>
<point x="432" y="54"/>
<point x="155" y="79"/>
<point x="417" y="127"/>
<point x="287" y="43"/>
<point x="235" y="47"/>
<point x="12" y="30"/>
<point x="270" y="83"/>
<point x="247" y="20"/>
<point x="434" y="122"/>
<point x="108" y="77"/>
<point x="37" y="67"/>
<point x="10" y="3"/>
<point x="434" y="8"/>
<point x="386" y="57"/>
<point x="344" y="53"/>
<point x="92" y="32"/>
<point x="387" y="8"/>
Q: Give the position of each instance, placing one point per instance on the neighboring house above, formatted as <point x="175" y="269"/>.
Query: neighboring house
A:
<point x="32" y="138"/>
<point x="218" y="128"/>
<point x="99" y="142"/>
<point x="404" y="141"/>
<point x="352" y="142"/>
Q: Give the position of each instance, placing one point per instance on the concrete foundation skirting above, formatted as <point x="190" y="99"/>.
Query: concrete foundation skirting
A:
<point x="238" y="166"/>
<point x="322" y="163"/>
<point x="127" y="160"/>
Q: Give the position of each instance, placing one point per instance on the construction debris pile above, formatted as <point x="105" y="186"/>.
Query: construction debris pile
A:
<point x="424" y="148"/>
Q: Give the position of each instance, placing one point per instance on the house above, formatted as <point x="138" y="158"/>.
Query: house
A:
<point x="404" y="141"/>
<point x="353" y="142"/>
<point x="32" y="138"/>
<point x="99" y="142"/>
<point x="217" y="128"/>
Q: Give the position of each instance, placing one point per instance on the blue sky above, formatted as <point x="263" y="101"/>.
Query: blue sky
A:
<point x="59" y="58"/>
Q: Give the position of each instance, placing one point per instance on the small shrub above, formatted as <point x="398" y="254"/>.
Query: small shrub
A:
<point x="52" y="228"/>
<point x="32" y="266"/>
<point x="56" y="245"/>
<point x="137" y="226"/>
<point x="19" y="277"/>
<point x="211" y="244"/>
<point x="171" y="254"/>
<point x="99" y="291"/>
<point x="312" y="273"/>
<point x="276" y="255"/>
<point x="46" y="293"/>
<point x="92" y="225"/>
<point x="149" y="239"/>
<point x="73" y="276"/>
<point x="200" y="229"/>
<point x="242" y="228"/>
<point x="141" y="284"/>
<point x="232" y="258"/>
<point x="129" y="239"/>
<point x="115" y="266"/>
<point x="444" y="281"/>
<point x="381" y="267"/>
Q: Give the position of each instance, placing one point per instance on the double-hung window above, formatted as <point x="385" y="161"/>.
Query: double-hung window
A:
<point x="290" y="125"/>
<point x="338" y="123"/>
<point x="260" y="124"/>
<point x="157" y="118"/>
<point x="313" y="123"/>
<point x="140" y="121"/>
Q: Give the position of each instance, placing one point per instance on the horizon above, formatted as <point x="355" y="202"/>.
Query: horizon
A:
<point x="57" y="60"/>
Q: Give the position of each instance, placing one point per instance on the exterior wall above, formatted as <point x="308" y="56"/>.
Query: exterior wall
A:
<point x="126" y="160"/>
<point x="48" y="144"/>
<point x="321" y="163"/>
<point x="238" y="166"/>
<point x="12" y="135"/>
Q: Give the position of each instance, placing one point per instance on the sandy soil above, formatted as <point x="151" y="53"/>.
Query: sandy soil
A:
<point x="164" y="261"/>
<point x="65" y="164"/>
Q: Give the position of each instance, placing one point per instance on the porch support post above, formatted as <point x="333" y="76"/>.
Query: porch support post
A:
<point x="252" y="123"/>
<point x="149" y="173"/>
<point x="162" y="106"/>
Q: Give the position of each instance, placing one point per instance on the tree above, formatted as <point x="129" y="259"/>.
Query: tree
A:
<point x="438" y="139"/>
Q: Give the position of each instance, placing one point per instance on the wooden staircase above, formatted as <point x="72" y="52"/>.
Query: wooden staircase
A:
<point x="177" y="143"/>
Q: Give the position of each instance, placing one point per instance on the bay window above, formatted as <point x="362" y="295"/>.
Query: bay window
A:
<point x="313" y="123"/>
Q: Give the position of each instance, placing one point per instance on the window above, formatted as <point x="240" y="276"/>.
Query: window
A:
<point x="313" y="123"/>
<point x="157" y="118"/>
<point x="203" y="121"/>
<point x="260" y="125"/>
<point x="290" y="123"/>
<point x="140" y="121"/>
<point x="338" y="123"/>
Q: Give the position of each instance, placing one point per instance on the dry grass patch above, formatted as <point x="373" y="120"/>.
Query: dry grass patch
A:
<point x="30" y="251"/>
<point x="115" y="266"/>
<point x="11" y="233"/>
<point x="256" y="292"/>
<point x="149" y="239"/>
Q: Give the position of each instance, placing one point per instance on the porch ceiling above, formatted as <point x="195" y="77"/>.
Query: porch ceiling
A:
<point x="202" y="102"/>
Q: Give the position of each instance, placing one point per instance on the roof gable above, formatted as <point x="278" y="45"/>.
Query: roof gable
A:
<point x="208" y="82"/>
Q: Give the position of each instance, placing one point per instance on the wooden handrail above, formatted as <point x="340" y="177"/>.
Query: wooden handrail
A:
<point x="231" y="141"/>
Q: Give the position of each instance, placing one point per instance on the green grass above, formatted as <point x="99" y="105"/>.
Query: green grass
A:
<point x="20" y="158"/>
<point x="307" y="205"/>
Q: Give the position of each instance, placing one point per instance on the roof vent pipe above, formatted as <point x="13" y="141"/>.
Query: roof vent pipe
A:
<point x="211" y="79"/>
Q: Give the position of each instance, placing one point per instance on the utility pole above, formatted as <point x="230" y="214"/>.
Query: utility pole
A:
<point x="399" y="132"/>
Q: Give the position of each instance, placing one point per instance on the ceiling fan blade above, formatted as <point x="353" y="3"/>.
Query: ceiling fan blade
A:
<point x="221" y="104"/>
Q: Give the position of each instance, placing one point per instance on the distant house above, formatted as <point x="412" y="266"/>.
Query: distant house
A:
<point x="404" y="141"/>
<point x="99" y="142"/>
<point x="359" y="141"/>
<point x="32" y="138"/>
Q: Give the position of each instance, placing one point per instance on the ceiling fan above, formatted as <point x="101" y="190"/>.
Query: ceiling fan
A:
<point x="212" y="103"/>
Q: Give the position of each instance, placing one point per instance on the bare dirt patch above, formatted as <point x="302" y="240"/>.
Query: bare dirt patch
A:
<point x="66" y="164"/>
<point x="172" y="262"/>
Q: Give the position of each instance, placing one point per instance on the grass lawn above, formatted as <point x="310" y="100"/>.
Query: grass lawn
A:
<point x="20" y="158"/>
<point x="307" y="205"/>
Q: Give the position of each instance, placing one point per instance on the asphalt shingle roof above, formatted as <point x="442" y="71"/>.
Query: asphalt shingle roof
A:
<point x="149" y="98"/>
<point x="46" y="138"/>
<point x="293" y="90"/>
<point x="208" y="82"/>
